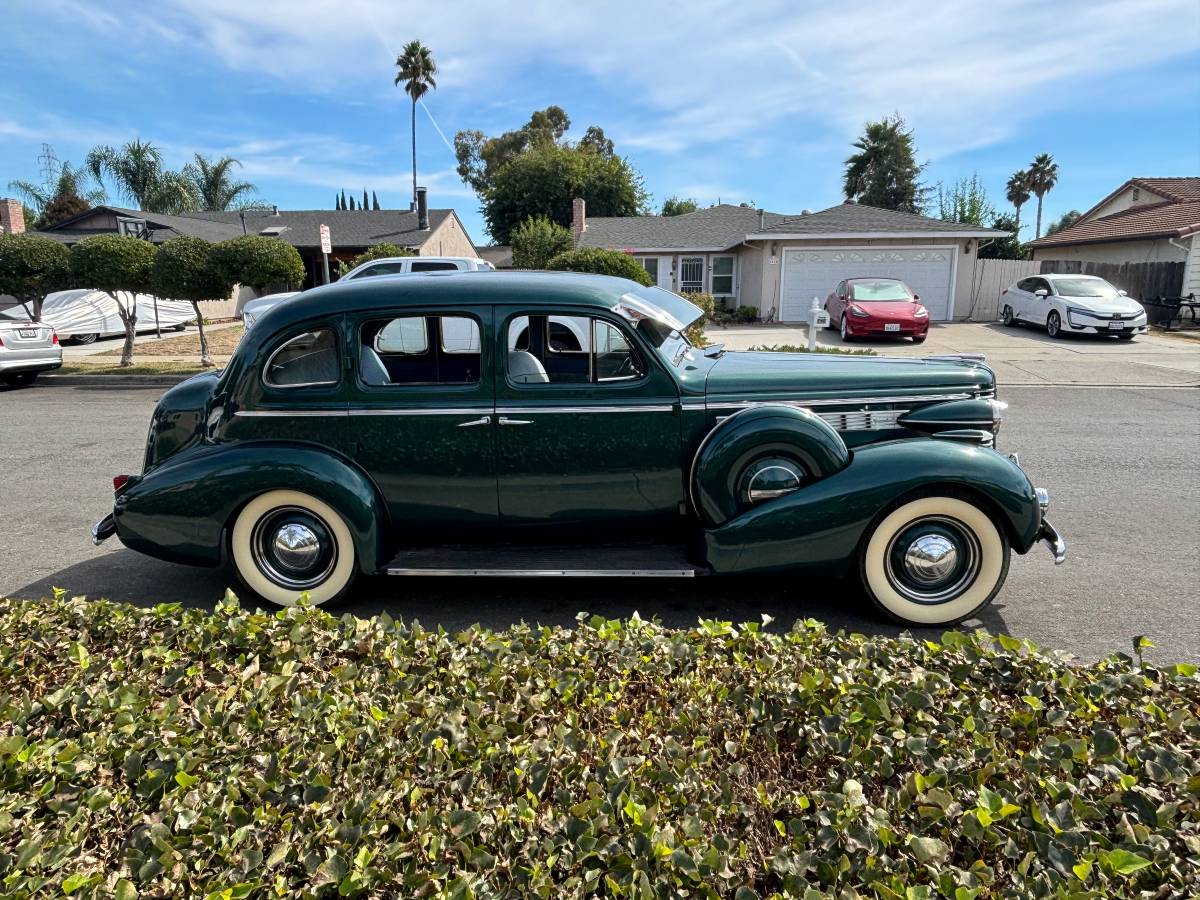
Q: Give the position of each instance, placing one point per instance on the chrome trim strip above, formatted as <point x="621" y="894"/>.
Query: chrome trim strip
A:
<point x="839" y="401"/>
<point x="546" y="573"/>
<point x="422" y="411"/>
<point x="482" y="420"/>
<point x="288" y="413"/>
<point x="649" y="407"/>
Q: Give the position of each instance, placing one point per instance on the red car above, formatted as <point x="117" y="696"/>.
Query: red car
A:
<point x="877" y="307"/>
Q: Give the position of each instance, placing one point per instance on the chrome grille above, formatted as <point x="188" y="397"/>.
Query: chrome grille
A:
<point x="863" y="420"/>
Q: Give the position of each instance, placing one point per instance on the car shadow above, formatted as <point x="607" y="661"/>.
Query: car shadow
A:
<point x="1038" y="334"/>
<point x="457" y="603"/>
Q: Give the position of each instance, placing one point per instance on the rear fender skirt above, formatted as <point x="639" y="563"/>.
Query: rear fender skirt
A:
<point x="179" y="511"/>
<point x="821" y="525"/>
<point x="754" y="433"/>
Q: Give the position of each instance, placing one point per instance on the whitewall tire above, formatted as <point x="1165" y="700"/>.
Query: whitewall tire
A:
<point x="285" y="543"/>
<point x="934" y="561"/>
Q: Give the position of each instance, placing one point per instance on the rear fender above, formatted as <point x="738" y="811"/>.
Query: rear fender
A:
<point x="752" y="434"/>
<point x="820" y="525"/>
<point x="179" y="511"/>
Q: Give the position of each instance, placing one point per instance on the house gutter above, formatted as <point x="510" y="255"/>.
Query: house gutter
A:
<point x="1186" y="250"/>
<point x="871" y="235"/>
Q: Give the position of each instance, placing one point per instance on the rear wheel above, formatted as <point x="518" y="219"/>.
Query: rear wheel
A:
<point x="285" y="543"/>
<point x="829" y="324"/>
<point x="1054" y="324"/>
<point x="1006" y="316"/>
<point x="20" y="379"/>
<point x="85" y="338"/>
<point x="181" y="327"/>
<point x="934" y="561"/>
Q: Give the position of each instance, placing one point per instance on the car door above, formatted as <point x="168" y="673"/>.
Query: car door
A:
<point x="421" y="419"/>
<point x="836" y="303"/>
<point x="587" y="430"/>
<point x="1022" y="298"/>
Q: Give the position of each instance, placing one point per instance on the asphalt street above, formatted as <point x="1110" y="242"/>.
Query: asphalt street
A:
<point x="1120" y="465"/>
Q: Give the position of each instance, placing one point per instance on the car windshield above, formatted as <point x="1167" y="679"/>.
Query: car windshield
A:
<point x="1084" y="287"/>
<point x="877" y="291"/>
<point x="661" y="316"/>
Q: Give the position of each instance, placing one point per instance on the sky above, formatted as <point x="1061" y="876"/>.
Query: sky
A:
<point x="738" y="102"/>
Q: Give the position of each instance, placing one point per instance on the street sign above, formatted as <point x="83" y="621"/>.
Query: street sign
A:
<point x="326" y="246"/>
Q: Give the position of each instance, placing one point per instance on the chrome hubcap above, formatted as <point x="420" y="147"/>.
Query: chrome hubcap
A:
<point x="296" y="547"/>
<point x="934" y="559"/>
<point x="930" y="558"/>
<point x="293" y="548"/>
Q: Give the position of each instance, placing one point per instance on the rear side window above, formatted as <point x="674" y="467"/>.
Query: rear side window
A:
<point x="306" y="360"/>
<point x="418" y="266"/>
<point x="407" y="350"/>
<point x="392" y="268"/>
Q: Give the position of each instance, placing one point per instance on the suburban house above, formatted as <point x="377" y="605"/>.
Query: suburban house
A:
<point x="428" y="232"/>
<point x="777" y="263"/>
<point x="1151" y="223"/>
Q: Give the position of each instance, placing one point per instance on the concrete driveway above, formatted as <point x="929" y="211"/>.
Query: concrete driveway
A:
<point x="1017" y="355"/>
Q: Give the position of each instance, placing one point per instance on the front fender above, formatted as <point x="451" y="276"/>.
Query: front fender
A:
<point x="821" y="525"/>
<point x="179" y="511"/>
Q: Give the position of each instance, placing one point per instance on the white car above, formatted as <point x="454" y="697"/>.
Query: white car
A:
<point x="84" y="315"/>
<point x="388" y="265"/>
<point x="1072" y="304"/>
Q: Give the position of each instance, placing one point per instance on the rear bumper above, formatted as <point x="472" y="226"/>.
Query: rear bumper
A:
<point x="44" y="363"/>
<point x="104" y="529"/>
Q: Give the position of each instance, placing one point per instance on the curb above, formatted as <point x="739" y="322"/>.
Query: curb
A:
<point x="113" y="380"/>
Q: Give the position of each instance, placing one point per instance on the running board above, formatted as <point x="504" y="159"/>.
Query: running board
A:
<point x="605" y="561"/>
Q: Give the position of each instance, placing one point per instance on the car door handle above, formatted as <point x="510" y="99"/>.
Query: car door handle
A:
<point x="482" y="420"/>
<point x="505" y="420"/>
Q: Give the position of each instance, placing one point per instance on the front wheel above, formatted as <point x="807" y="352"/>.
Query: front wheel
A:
<point x="1054" y="324"/>
<point x="285" y="543"/>
<point x="846" y="336"/>
<point x="934" y="561"/>
<point x="919" y="338"/>
<point x="1125" y="337"/>
<point x="20" y="379"/>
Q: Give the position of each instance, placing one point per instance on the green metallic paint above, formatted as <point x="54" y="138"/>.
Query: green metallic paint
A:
<point x="178" y="420"/>
<point x="752" y="434"/>
<point x="951" y="415"/>
<point x="179" y="511"/>
<point x="821" y="525"/>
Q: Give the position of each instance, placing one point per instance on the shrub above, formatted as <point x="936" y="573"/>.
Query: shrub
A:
<point x="258" y="262"/>
<point x="32" y="266"/>
<point x="170" y="752"/>
<point x="538" y="240"/>
<point x="602" y="262"/>
<point x="708" y="303"/>
<point x="376" y="251"/>
<point x="119" y="264"/>
<point x="800" y="348"/>
<point x="186" y="269"/>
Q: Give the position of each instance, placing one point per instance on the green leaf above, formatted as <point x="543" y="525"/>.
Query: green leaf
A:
<point x="1124" y="862"/>
<point x="928" y="849"/>
<point x="1104" y="742"/>
<point x="186" y="781"/>
<point x="72" y="883"/>
<point x="463" y="822"/>
<point x="80" y="655"/>
<point x="1082" y="869"/>
<point x="1010" y="644"/>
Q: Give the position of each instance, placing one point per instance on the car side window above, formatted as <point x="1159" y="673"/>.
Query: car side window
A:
<point x="841" y="290"/>
<point x="306" y="360"/>
<point x="552" y="349"/>
<point x="417" y="266"/>
<point x="393" y="268"/>
<point x="1026" y="284"/>
<point x="419" y="349"/>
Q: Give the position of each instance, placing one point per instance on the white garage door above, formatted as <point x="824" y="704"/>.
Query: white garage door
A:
<point x="929" y="271"/>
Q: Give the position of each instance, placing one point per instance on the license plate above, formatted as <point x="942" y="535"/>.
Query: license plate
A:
<point x="27" y="332"/>
<point x="892" y="326"/>
<point x="1116" y="326"/>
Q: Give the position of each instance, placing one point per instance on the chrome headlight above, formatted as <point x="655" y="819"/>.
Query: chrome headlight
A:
<point x="1043" y="499"/>
<point x="998" y="408"/>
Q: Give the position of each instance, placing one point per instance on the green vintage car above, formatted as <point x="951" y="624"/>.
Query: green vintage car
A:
<point x="537" y="424"/>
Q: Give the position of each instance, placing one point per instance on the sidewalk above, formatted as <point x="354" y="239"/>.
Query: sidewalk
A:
<point x="1019" y="356"/>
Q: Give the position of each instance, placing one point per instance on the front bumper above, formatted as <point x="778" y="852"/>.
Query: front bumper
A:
<point x="865" y="328"/>
<point x="1049" y="536"/>
<point x="104" y="529"/>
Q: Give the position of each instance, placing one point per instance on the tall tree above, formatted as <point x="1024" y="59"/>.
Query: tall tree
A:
<point x="374" y="201"/>
<point x="416" y="68"/>
<point x="1043" y="175"/>
<point x="1007" y="247"/>
<point x="184" y="268"/>
<point x="1063" y="222"/>
<point x="337" y="201"/>
<point x="352" y="201"/>
<point x="344" y="206"/>
<point x="31" y="266"/>
<point x="214" y="184"/>
<point x="480" y="157"/>
<point x="536" y="241"/>
<point x="543" y="182"/>
<point x="121" y="265"/>
<point x="64" y="190"/>
<point x="678" y="206"/>
<point x="884" y="171"/>
<point x="965" y="201"/>
<point x="365" y="203"/>
<point x="1017" y="192"/>
<point x="137" y="170"/>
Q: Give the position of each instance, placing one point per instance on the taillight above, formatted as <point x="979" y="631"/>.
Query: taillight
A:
<point x="119" y="482"/>
<point x="1" y="342"/>
<point x="54" y="336"/>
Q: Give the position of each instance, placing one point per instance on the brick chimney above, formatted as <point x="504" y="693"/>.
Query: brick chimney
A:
<point x="578" y="219"/>
<point x="12" y="216"/>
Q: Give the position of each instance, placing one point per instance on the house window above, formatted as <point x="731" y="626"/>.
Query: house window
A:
<point x="722" y="276"/>
<point x="650" y="264"/>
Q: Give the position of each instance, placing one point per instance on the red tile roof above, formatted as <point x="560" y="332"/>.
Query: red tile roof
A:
<point x="1179" y="189"/>
<point x="1176" y="217"/>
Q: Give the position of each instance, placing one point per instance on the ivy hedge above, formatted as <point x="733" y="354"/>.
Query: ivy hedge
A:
<point x="170" y="752"/>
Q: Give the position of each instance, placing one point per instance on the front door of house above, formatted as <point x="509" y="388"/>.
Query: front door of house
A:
<point x="691" y="274"/>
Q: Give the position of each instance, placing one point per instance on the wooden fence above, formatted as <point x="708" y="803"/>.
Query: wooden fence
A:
<point x="991" y="276"/>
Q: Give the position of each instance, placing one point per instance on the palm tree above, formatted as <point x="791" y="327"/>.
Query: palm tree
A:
<point x="137" y="170"/>
<point x="416" y="68"/>
<point x="1017" y="191"/>
<point x="61" y="182"/>
<point x="218" y="192"/>
<point x="884" y="171"/>
<point x="1043" y="175"/>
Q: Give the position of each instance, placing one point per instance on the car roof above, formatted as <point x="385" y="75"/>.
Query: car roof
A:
<point x="1055" y="275"/>
<point x="875" y="278"/>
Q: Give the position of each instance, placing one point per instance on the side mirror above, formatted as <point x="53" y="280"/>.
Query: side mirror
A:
<point x="1123" y="293"/>
<point x="916" y="297"/>
<point x="1041" y="292"/>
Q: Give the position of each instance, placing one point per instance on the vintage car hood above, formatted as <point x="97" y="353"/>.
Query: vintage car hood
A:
<point x="755" y="376"/>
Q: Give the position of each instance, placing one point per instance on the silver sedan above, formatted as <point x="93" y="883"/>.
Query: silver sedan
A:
<point x="26" y="350"/>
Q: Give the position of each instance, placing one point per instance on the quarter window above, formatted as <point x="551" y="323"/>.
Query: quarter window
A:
<point x="409" y="350"/>
<point x="432" y="267"/>
<point x="306" y="360"/>
<point x="722" y="276"/>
